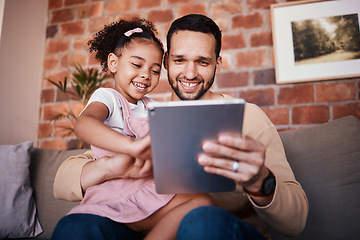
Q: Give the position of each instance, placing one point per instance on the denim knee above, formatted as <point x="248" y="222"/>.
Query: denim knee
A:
<point x="213" y="223"/>
<point x="88" y="226"/>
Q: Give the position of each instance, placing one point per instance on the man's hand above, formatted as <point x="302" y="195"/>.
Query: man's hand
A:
<point x="219" y="157"/>
<point x="118" y="166"/>
<point x="123" y="166"/>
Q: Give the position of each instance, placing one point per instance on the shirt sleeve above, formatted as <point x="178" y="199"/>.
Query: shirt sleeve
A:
<point x="67" y="184"/>
<point x="287" y="213"/>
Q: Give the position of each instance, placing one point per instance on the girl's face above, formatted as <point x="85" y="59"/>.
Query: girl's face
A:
<point x="137" y="70"/>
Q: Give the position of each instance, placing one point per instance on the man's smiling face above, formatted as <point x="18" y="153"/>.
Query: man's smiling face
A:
<point x="191" y="64"/>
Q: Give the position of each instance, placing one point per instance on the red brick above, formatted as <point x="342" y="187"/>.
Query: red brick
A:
<point x="345" y="109"/>
<point x="252" y="58"/>
<point x="296" y="94"/>
<point x="268" y="19"/>
<point x="70" y="95"/>
<point x="233" y="41"/>
<point x="47" y="95"/>
<point x="310" y="114"/>
<point x="50" y="62"/>
<point x="62" y="15"/>
<point x="96" y="24"/>
<point x="68" y="60"/>
<point x="278" y="116"/>
<point x="334" y="92"/>
<point x="56" y="77"/>
<point x="226" y="61"/>
<point x="58" y="144"/>
<point x="199" y="8"/>
<point x="80" y="43"/>
<point x="62" y="129"/>
<point x="91" y="10"/>
<point x="178" y="1"/>
<point x="51" y="31"/>
<point x="92" y="60"/>
<point x="263" y="38"/>
<point x="147" y="4"/>
<point x="129" y="15"/>
<point x="77" y="108"/>
<point x="261" y="97"/>
<point x="74" y="2"/>
<point x="259" y="4"/>
<point x="230" y="6"/>
<point x="50" y="111"/>
<point x="232" y="79"/>
<point x="56" y="46"/>
<point x="73" y="28"/>
<point x="248" y="22"/>
<point x="117" y="7"/>
<point x="165" y="15"/>
<point x="54" y="4"/>
<point x="264" y="76"/>
<point x="44" y="130"/>
<point x="222" y="22"/>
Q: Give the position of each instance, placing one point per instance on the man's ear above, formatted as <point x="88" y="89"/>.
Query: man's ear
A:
<point x="218" y="64"/>
<point x="112" y="62"/>
<point x="166" y="60"/>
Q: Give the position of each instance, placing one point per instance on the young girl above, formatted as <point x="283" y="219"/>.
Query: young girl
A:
<point x="114" y="121"/>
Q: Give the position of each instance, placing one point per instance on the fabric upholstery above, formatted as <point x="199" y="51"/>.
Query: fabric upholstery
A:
<point x="18" y="217"/>
<point x="44" y="165"/>
<point x="326" y="162"/>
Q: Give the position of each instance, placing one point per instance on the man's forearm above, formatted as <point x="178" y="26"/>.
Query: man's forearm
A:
<point x="94" y="173"/>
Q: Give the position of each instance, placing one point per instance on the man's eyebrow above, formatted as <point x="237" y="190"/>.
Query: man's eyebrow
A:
<point x="198" y="57"/>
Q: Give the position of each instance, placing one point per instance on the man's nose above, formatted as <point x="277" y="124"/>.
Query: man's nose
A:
<point x="190" y="71"/>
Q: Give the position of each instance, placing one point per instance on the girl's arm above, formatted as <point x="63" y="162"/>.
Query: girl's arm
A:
<point x="90" y="128"/>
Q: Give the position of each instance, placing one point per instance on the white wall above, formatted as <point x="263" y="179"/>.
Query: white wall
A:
<point x="21" y="59"/>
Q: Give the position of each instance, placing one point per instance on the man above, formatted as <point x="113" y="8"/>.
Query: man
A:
<point x="267" y="193"/>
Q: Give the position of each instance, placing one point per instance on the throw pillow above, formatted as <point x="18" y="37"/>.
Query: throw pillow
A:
<point x="17" y="207"/>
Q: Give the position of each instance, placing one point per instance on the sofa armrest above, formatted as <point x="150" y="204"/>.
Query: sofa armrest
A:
<point x="43" y="167"/>
<point x="326" y="161"/>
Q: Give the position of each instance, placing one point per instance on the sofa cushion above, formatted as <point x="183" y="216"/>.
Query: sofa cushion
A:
<point x="17" y="209"/>
<point x="326" y="161"/>
<point x="44" y="165"/>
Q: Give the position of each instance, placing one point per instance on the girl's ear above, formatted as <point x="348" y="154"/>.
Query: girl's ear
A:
<point x="112" y="62"/>
<point x="166" y="60"/>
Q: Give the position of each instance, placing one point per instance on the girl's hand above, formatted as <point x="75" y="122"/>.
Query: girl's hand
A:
<point x="141" y="148"/>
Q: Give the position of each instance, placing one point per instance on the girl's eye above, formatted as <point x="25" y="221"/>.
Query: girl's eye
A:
<point x="136" y="65"/>
<point x="155" y="72"/>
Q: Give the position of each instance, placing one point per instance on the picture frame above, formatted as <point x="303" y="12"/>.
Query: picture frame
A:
<point x="316" y="40"/>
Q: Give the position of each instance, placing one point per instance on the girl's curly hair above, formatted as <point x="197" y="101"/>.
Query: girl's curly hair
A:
<point x="111" y="38"/>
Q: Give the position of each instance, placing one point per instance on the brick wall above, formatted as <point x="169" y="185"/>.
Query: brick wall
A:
<point x="248" y="65"/>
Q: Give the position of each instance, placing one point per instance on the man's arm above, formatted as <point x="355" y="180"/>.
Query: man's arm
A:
<point x="78" y="173"/>
<point x="286" y="209"/>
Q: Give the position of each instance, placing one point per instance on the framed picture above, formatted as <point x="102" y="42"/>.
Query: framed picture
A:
<point x="316" y="40"/>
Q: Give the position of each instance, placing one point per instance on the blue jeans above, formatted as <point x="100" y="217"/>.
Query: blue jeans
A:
<point x="210" y="223"/>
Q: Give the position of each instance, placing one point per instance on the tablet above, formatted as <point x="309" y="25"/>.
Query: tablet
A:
<point x="177" y="131"/>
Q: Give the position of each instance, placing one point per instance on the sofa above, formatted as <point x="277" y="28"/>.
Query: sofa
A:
<point x="325" y="159"/>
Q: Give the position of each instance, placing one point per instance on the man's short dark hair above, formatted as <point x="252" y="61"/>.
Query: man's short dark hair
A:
<point x="196" y="23"/>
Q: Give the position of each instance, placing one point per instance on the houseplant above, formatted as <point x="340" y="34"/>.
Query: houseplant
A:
<point x="83" y="84"/>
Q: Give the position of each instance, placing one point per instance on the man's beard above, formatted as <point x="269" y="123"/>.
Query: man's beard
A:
<point x="197" y="95"/>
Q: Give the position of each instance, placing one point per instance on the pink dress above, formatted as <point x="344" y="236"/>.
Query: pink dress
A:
<point x="124" y="200"/>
